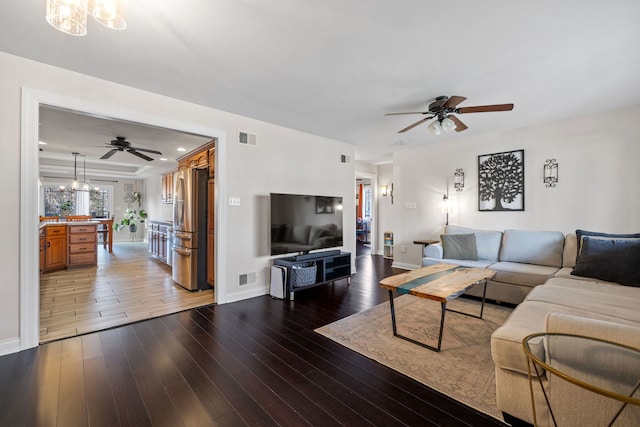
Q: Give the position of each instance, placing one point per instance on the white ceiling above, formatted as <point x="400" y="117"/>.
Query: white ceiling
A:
<point x="334" y="67"/>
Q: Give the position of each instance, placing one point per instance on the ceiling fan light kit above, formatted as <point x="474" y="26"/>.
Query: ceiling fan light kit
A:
<point x="70" y="16"/>
<point x="443" y="109"/>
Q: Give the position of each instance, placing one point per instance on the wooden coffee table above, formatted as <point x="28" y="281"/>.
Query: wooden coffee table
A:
<point x="440" y="282"/>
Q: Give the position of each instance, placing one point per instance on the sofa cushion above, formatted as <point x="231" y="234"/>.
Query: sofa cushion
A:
<point x="526" y="319"/>
<point x="522" y="274"/>
<point x="533" y="247"/>
<point x="459" y="246"/>
<point x="487" y="241"/>
<point x="611" y="300"/>
<point x="599" y="329"/>
<point x="611" y="259"/>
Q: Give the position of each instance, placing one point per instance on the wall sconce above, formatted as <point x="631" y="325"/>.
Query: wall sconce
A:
<point x="458" y="183"/>
<point x="384" y="189"/>
<point x="444" y="207"/>
<point x="550" y="173"/>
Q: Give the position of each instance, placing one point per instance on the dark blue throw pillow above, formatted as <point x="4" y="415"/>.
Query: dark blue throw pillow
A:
<point x="610" y="259"/>
<point x="581" y="233"/>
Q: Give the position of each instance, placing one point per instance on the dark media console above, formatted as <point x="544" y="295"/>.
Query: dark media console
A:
<point x="313" y="269"/>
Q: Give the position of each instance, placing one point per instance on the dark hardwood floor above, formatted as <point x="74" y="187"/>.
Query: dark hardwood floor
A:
<point x="254" y="362"/>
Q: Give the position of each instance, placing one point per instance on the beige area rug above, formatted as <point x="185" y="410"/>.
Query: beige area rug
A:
<point x="463" y="369"/>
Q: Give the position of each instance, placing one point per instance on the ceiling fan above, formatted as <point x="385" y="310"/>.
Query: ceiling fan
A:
<point x="121" y="144"/>
<point x="443" y="110"/>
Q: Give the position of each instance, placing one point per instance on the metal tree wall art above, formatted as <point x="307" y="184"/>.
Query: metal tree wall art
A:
<point x="501" y="181"/>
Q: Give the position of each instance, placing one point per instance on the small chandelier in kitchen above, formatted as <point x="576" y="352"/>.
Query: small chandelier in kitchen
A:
<point x="70" y="16"/>
<point x="75" y="185"/>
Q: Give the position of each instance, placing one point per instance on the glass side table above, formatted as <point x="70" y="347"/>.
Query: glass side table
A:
<point x="599" y="366"/>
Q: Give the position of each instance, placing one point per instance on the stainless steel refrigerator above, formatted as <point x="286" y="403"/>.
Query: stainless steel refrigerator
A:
<point x="189" y="248"/>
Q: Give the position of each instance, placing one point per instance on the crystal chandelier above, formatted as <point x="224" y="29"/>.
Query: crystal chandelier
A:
<point x="70" y="16"/>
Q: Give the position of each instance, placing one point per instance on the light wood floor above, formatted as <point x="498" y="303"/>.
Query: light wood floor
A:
<point x="127" y="286"/>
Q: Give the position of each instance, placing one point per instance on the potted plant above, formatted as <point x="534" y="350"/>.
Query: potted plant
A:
<point x="65" y="208"/>
<point x="130" y="218"/>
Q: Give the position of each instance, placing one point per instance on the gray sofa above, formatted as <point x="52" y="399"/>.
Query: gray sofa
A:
<point x="589" y="308"/>
<point x="521" y="259"/>
<point x="533" y="270"/>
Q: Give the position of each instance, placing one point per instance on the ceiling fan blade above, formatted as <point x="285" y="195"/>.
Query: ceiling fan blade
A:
<point x="413" y="112"/>
<point x="419" y="122"/>
<point x="453" y="101"/>
<point x="485" y="108"/>
<point x="459" y="125"/>
<point x="146" y="151"/>
<point x="142" y="156"/>
<point x="109" y="153"/>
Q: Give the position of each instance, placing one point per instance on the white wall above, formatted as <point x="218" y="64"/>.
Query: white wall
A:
<point x="598" y="180"/>
<point x="156" y="208"/>
<point x="283" y="161"/>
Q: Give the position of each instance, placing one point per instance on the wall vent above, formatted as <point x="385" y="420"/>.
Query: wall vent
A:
<point x="247" y="138"/>
<point x="247" y="279"/>
<point x="345" y="159"/>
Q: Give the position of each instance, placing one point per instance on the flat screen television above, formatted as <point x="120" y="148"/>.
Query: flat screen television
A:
<point x="303" y="223"/>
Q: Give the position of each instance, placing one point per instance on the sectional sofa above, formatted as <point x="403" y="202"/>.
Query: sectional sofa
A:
<point x="534" y="270"/>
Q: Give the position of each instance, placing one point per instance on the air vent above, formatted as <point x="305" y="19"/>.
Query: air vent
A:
<point x="345" y="159"/>
<point x="247" y="138"/>
<point x="247" y="279"/>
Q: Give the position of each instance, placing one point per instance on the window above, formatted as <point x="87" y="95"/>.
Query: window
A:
<point x="366" y="206"/>
<point x="95" y="202"/>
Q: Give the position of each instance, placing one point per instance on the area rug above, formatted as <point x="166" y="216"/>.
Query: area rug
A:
<point x="462" y="370"/>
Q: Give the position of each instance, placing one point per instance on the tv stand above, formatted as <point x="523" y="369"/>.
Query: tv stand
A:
<point x="330" y="266"/>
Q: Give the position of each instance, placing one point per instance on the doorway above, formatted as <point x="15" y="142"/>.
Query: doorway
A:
<point x="32" y="100"/>
<point x="365" y="220"/>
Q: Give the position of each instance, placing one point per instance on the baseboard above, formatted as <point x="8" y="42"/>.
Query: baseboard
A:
<point x="255" y="291"/>
<point x="404" y="266"/>
<point x="9" y="346"/>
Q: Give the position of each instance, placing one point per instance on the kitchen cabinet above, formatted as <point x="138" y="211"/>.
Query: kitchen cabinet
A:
<point x="82" y="245"/>
<point x="55" y="256"/>
<point x="157" y="239"/>
<point x="167" y="188"/>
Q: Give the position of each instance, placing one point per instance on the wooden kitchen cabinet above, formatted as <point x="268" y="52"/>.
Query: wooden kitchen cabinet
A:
<point x="82" y="245"/>
<point x="55" y="256"/>
<point x="158" y="240"/>
<point x="167" y="188"/>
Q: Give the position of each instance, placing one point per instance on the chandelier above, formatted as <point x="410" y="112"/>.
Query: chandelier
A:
<point x="75" y="185"/>
<point x="70" y="16"/>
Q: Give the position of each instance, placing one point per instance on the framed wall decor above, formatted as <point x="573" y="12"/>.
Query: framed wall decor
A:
<point x="501" y="181"/>
<point x="324" y="205"/>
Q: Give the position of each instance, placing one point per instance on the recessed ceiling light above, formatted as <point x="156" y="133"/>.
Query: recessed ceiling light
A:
<point x="182" y="149"/>
<point x="42" y="143"/>
<point x="163" y="159"/>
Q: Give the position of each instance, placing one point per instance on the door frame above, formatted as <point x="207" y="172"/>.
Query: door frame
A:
<point x="373" y="177"/>
<point x="32" y="99"/>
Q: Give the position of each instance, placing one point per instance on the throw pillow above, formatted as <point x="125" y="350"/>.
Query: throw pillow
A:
<point x="581" y="233"/>
<point x="611" y="259"/>
<point x="459" y="246"/>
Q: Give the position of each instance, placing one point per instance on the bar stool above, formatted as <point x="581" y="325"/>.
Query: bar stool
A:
<point x="49" y="218"/>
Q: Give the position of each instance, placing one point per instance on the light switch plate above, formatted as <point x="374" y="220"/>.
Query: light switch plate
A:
<point x="234" y="201"/>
